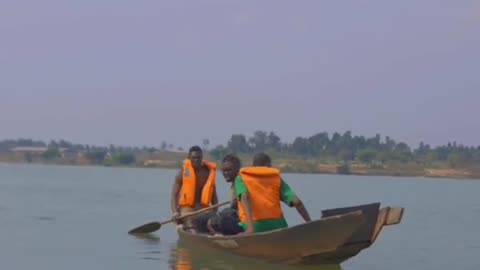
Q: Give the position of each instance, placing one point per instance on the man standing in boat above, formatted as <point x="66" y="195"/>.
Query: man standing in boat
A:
<point x="194" y="189"/>
<point x="226" y="221"/>
<point x="259" y="190"/>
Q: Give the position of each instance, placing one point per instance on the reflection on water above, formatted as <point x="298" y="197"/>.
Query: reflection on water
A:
<point x="185" y="258"/>
<point x="148" y="238"/>
<point x="181" y="259"/>
<point x="152" y="246"/>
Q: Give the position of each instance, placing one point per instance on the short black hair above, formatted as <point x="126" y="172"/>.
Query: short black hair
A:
<point x="195" y="148"/>
<point x="233" y="159"/>
<point x="261" y="159"/>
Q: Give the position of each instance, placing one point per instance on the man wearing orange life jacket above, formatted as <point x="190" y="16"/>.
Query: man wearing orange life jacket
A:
<point x="260" y="189"/>
<point x="194" y="188"/>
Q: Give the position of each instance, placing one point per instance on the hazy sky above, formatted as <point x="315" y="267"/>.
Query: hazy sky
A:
<point x="139" y="72"/>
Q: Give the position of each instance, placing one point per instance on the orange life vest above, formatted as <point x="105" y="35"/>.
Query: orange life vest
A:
<point x="263" y="185"/>
<point x="189" y="184"/>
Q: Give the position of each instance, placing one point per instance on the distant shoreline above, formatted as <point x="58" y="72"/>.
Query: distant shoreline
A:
<point x="321" y="153"/>
<point x="286" y="167"/>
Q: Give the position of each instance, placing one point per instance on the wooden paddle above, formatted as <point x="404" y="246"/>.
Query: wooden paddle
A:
<point x="153" y="226"/>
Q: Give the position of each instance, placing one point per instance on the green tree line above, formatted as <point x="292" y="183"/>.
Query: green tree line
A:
<point x="350" y="148"/>
<point x="7" y="145"/>
<point x="322" y="146"/>
<point x="119" y="155"/>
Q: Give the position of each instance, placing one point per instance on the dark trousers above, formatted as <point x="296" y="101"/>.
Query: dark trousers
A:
<point x="226" y="222"/>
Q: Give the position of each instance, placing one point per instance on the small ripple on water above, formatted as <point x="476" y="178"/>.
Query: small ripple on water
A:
<point x="150" y="258"/>
<point x="150" y="252"/>
<point x="44" y="218"/>
<point x="150" y="255"/>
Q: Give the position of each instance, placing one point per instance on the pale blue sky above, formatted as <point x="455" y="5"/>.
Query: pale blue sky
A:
<point x="139" y="72"/>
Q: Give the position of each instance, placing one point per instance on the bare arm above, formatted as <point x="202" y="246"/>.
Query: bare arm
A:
<point x="177" y="185"/>
<point x="246" y="206"/>
<point x="301" y="209"/>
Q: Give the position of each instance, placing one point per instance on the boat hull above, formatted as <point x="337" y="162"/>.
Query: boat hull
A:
<point x="339" y="235"/>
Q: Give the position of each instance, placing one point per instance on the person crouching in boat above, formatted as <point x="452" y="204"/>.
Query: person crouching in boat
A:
<point x="260" y="189"/>
<point x="226" y="221"/>
<point x="194" y="189"/>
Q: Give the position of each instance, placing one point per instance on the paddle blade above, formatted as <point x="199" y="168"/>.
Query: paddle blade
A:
<point x="146" y="228"/>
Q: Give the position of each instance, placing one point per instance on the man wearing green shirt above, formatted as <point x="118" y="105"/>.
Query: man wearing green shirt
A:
<point x="226" y="221"/>
<point x="261" y="206"/>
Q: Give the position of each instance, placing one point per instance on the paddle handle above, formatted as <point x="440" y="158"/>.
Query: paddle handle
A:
<point x="203" y="210"/>
<point x="153" y="226"/>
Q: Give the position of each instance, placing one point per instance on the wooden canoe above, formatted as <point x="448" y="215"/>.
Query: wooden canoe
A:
<point x="337" y="236"/>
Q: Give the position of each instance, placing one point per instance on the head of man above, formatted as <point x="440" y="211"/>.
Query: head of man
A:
<point x="230" y="166"/>
<point x="195" y="155"/>
<point x="261" y="160"/>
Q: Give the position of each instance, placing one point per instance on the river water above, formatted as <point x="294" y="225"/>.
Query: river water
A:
<point x="65" y="217"/>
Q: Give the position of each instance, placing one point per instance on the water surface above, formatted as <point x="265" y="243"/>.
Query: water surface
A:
<point x="63" y="217"/>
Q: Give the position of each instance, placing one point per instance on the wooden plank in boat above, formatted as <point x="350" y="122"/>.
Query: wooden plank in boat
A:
<point x="395" y="215"/>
